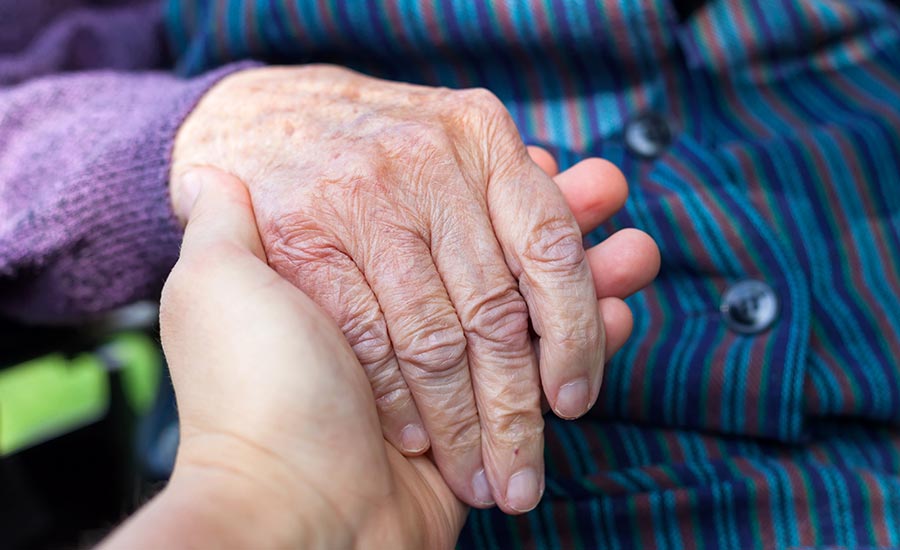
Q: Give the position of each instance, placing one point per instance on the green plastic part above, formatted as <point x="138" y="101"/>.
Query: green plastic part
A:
<point x="140" y="358"/>
<point x="53" y="395"/>
<point x="50" y="396"/>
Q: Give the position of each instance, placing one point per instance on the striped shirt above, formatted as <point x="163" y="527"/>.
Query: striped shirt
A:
<point x="774" y="157"/>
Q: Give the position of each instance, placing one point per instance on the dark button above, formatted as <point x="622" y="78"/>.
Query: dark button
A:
<point x="648" y="135"/>
<point x="749" y="307"/>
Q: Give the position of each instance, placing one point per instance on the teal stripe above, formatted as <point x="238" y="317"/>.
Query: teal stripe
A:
<point x="537" y="535"/>
<point x="732" y="417"/>
<point x="516" y="532"/>
<point x="824" y="381"/>
<point x="549" y="528"/>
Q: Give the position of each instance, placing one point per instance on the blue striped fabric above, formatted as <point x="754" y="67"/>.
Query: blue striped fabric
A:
<point x="784" y="167"/>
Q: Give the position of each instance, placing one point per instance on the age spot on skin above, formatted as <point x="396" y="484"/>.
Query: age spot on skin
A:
<point x="288" y="128"/>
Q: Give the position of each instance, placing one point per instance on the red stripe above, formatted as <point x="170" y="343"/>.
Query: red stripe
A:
<point x="536" y="112"/>
<point x="844" y="234"/>
<point x="253" y="38"/>
<point x="849" y="387"/>
<point x="296" y="24"/>
<point x="876" y="228"/>
<point x="762" y="504"/>
<point x="878" y="508"/>
<point x="685" y="518"/>
<point x="801" y="500"/>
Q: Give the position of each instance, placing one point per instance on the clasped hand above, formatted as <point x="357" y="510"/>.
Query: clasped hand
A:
<point x="447" y="253"/>
<point x="280" y="443"/>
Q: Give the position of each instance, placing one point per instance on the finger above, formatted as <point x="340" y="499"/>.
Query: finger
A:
<point x="454" y="510"/>
<point x="333" y="280"/>
<point x="542" y="245"/>
<point x="431" y="350"/>
<point x="505" y="377"/>
<point x="618" y="320"/>
<point x="544" y="159"/>
<point x="218" y="211"/>
<point x="594" y="190"/>
<point x="624" y="263"/>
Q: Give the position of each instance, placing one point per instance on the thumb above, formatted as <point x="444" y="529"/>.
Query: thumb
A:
<point x="216" y="208"/>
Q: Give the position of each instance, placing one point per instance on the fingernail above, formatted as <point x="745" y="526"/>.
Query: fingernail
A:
<point x="185" y="194"/>
<point x="572" y="400"/>
<point x="413" y="439"/>
<point x="523" y="491"/>
<point x="482" y="489"/>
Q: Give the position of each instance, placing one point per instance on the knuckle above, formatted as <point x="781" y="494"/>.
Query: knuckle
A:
<point x="297" y="243"/>
<point x="479" y="108"/>
<point x="434" y="352"/>
<point x="299" y="248"/>
<point x="297" y="239"/>
<point x="499" y="129"/>
<point x="484" y="100"/>
<point x="368" y="337"/>
<point x="499" y="319"/>
<point x="460" y="432"/>
<point x="556" y="245"/>
<point x="509" y="428"/>
<point x="577" y="336"/>
<point x="392" y="397"/>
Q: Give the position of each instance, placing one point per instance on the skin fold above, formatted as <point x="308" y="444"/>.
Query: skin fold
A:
<point x="448" y="253"/>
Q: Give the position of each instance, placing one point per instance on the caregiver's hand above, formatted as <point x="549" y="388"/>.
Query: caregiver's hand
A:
<point x="280" y="442"/>
<point x="415" y="217"/>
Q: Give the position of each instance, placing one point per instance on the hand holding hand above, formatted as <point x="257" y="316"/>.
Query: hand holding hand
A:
<point x="415" y="217"/>
<point x="280" y="441"/>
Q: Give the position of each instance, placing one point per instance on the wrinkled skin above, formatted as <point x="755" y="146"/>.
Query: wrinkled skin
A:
<point x="419" y="221"/>
<point x="278" y="425"/>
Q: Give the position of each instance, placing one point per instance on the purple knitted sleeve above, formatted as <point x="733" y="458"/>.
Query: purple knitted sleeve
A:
<point x="87" y="122"/>
<point x="85" y="221"/>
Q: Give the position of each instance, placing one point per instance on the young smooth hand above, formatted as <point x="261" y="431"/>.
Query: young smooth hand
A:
<point x="281" y="444"/>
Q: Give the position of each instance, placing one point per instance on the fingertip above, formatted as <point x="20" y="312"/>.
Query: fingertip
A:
<point x="514" y="462"/>
<point x="618" y="322"/>
<point x="544" y="159"/>
<point x="216" y="208"/>
<point x="608" y="175"/>
<point x="524" y="490"/>
<point x="401" y="424"/>
<point x="413" y="440"/>
<point x="644" y="256"/>
<point x="611" y="186"/>
<point x="184" y="194"/>
<point x="594" y="190"/>
<point x="624" y="263"/>
<point x="481" y="491"/>
<point x="215" y="185"/>
<point x="573" y="399"/>
<point x="471" y="485"/>
<point x="651" y="250"/>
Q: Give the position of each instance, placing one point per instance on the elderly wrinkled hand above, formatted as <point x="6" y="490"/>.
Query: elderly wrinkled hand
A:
<point x="417" y="219"/>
